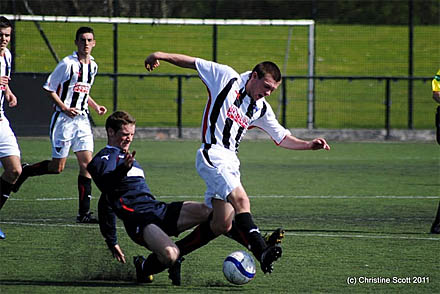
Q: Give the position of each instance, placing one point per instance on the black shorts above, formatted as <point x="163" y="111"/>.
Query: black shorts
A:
<point x="165" y="217"/>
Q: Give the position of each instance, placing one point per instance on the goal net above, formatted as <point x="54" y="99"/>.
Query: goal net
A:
<point x="123" y="43"/>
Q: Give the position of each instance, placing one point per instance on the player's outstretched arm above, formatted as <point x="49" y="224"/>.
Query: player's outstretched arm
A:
<point x="153" y="60"/>
<point x="292" y="142"/>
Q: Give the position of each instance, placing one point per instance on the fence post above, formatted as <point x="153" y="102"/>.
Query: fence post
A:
<point x="387" y="108"/>
<point x="115" y="56"/>
<point x="214" y="43"/>
<point x="179" y="106"/>
<point x="311" y="84"/>
<point x="410" y="65"/>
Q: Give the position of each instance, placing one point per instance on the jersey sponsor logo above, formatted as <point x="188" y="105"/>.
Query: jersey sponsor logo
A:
<point x="235" y="115"/>
<point x="135" y="172"/>
<point x="81" y="87"/>
<point x="107" y="157"/>
<point x="2" y="88"/>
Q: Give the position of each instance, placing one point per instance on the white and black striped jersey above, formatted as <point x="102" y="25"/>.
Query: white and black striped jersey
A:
<point x="5" y="70"/>
<point x="230" y="112"/>
<point x="72" y="81"/>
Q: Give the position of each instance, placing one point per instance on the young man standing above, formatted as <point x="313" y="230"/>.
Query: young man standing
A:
<point x="69" y="87"/>
<point x="235" y="103"/>
<point x="435" y="228"/>
<point x="9" y="150"/>
<point x="126" y="195"/>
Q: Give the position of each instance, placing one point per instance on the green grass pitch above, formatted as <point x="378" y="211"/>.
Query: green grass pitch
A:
<point x="361" y="210"/>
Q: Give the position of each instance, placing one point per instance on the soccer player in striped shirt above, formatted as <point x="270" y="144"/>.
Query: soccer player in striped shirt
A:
<point x="69" y="87"/>
<point x="9" y="150"/>
<point x="235" y="104"/>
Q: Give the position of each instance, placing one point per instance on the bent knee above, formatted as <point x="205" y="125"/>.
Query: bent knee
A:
<point x="170" y="255"/>
<point x="12" y="174"/>
<point x="56" y="169"/>
<point x="205" y="210"/>
<point x="221" y="228"/>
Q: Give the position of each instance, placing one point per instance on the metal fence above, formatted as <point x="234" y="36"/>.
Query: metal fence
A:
<point x="361" y="82"/>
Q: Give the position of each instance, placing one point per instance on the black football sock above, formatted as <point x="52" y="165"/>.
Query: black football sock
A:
<point x="84" y="194"/>
<point x="437" y="218"/>
<point x="236" y="234"/>
<point x="37" y="169"/>
<point x="152" y="265"/>
<point x="251" y="232"/>
<point x="5" y="191"/>
<point x="199" y="237"/>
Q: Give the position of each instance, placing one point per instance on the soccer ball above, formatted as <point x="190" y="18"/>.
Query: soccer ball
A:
<point x="239" y="268"/>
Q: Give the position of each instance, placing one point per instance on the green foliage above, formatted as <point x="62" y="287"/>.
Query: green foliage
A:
<point x="359" y="210"/>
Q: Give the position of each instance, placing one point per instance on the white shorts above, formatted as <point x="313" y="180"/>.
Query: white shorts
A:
<point x="66" y="132"/>
<point x="8" y="141"/>
<point x="220" y="169"/>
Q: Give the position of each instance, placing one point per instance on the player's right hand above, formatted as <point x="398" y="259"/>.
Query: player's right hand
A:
<point x="118" y="254"/>
<point x="151" y="62"/>
<point x="71" y="112"/>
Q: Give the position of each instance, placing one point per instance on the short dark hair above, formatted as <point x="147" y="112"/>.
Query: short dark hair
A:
<point x="268" y="67"/>
<point x="118" y="119"/>
<point x="5" y="23"/>
<point x="83" y="30"/>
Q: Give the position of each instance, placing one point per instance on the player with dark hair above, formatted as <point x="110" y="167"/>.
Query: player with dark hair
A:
<point x="69" y="87"/>
<point x="9" y="150"/>
<point x="435" y="228"/>
<point x="235" y="103"/>
<point x="125" y="194"/>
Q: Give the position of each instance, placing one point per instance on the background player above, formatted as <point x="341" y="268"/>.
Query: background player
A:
<point x="435" y="228"/>
<point x="69" y="87"/>
<point x="125" y="194"/>
<point x="236" y="103"/>
<point x="9" y="150"/>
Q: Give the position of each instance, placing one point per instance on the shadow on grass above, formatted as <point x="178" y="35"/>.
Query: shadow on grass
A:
<point x="66" y="283"/>
<point x="80" y="284"/>
<point x="108" y="284"/>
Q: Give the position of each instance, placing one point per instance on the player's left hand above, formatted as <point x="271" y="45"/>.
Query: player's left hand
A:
<point x="320" y="143"/>
<point x="129" y="159"/>
<point x="4" y="80"/>
<point x="151" y="62"/>
<point x="101" y="110"/>
<point x="118" y="254"/>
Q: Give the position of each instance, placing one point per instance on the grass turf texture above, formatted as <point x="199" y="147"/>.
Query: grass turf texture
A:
<point x="350" y="50"/>
<point x="337" y="226"/>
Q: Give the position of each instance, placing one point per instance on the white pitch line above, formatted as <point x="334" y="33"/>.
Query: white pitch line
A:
<point x="50" y="225"/>
<point x="261" y="196"/>
<point x="319" y="235"/>
<point x="362" y="236"/>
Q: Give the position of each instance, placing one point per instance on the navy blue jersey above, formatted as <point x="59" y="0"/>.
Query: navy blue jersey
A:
<point x="125" y="193"/>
